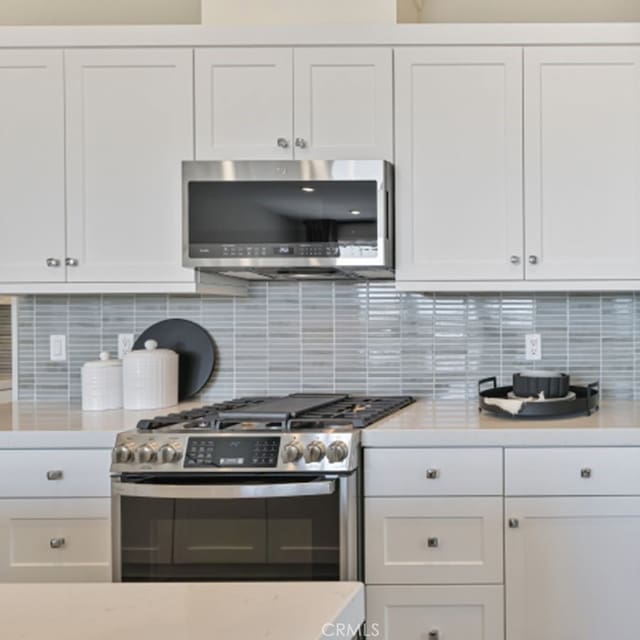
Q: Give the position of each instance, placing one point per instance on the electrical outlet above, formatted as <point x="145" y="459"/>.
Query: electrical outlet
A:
<point x="533" y="346"/>
<point x="125" y="344"/>
<point x="58" y="348"/>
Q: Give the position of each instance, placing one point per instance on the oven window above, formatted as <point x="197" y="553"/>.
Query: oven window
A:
<point x="243" y="539"/>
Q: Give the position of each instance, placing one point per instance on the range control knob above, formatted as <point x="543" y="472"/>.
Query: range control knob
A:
<point x="122" y="453"/>
<point x="337" y="452"/>
<point x="292" y="451"/>
<point x="169" y="453"/>
<point x="145" y="453"/>
<point x="315" y="451"/>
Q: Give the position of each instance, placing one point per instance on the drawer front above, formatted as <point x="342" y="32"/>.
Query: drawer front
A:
<point x="573" y="471"/>
<point x="435" y="613"/>
<point x="59" y="473"/>
<point x="55" y="540"/>
<point x="433" y="472"/>
<point x="433" y="540"/>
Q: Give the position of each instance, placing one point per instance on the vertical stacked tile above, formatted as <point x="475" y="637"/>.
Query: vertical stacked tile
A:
<point x="416" y="359"/>
<point x="84" y="338"/>
<point x="484" y="340"/>
<point x="5" y="340"/>
<point x="450" y="347"/>
<point x="585" y="337"/>
<point x="617" y="358"/>
<point x="384" y="339"/>
<point x="26" y="332"/>
<point x="147" y="310"/>
<point x="551" y="321"/>
<point x="351" y="318"/>
<point x="317" y="324"/>
<point x="517" y="319"/>
<point x="218" y="318"/>
<point x="117" y="317"/>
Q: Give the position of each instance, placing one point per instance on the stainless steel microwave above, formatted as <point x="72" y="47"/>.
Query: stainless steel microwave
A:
<point x="313" y="219"/>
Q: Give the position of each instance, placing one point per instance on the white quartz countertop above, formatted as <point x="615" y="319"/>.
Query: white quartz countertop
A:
<point x="168" y="611"/>
<point x="448" y="423"/>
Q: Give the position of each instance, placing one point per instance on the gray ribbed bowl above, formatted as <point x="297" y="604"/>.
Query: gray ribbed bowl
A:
<point x="526" y="385"/>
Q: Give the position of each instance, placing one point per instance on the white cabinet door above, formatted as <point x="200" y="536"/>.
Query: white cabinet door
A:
<point x="31" y="166"/>
<point x="582" y="162"/>
<point x="129" y="126"/>
<point x="343" y="103"/>
<point x="572" y="568"/>
<point x="244" y="104"/>
<point x="435" y="613"/>
<point x="55" y="540"/>
<point x="459" y="163"/>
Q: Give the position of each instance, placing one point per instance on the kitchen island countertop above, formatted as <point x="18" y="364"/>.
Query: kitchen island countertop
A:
<point x="193" y="611"/>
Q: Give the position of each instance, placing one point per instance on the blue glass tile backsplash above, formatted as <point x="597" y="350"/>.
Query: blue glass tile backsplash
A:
<point x="350" y="337"/>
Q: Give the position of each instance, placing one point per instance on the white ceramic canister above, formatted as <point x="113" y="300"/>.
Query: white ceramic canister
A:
<point x="150" y="377"/>
<point x="102" y="384"/>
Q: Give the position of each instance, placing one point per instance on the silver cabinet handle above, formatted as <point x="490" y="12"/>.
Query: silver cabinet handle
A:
<point x="71" y="262"/>
<point x="433" y="543"/>
<point x="432" y="474"/>
<point x="56" y="474"/>
<point x="514" y="523"/>
<point x="57" y="543"/>
<point x="585" y="472"/>
<point x="515" y="260"/>
<point x="283" y="143"/>
<point x="434" y="634"/>
<point x="301" y="143"/>
<point x="53" y="262"/>
<point x="533" y="259"/>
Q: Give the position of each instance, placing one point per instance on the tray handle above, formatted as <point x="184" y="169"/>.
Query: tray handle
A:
<point x="484" y="381"/>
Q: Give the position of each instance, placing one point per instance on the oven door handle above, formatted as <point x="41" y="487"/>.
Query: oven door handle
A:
<point x="224" y="491"/>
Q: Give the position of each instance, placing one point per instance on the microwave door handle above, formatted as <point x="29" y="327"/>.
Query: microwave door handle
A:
<point x="224" y="491"/>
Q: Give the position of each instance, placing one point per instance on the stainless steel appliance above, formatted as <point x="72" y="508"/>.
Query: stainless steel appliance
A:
<point x="252" y="489"/>
<point x="289" y="219"/>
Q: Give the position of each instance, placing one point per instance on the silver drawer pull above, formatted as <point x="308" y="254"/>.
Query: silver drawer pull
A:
<point x="56" y="474"/>
<point x="585" y="473"/>
<point x="514" y="523"/>
<point x="433" y="474"/>
<point x="57" y="543"/>
<point x="434" y="634"/>
<point x="433" y="543"/>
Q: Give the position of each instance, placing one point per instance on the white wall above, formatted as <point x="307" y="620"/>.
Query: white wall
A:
<point x="519" y="11"/>
<point x="72" y="12"/>
<point x="298" y="11"/>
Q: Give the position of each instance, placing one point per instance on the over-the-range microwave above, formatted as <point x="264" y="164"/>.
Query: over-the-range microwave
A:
<point x="316" y="219"/>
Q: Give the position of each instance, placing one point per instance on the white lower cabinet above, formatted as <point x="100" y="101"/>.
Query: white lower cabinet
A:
<point x="55" y="540"/>
<point x="435" y="613"/>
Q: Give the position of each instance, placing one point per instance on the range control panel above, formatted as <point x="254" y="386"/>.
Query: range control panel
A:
<point x="232" y="452"/>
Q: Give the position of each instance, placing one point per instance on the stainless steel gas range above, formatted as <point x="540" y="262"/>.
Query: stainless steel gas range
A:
<point x="261" y="488"/>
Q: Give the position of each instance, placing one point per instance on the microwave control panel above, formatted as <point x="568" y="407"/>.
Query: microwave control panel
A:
<point x="266" y="251"/>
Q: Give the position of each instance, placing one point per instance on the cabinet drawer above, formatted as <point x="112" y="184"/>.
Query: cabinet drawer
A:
<point x="435" y="613"/>
<point x="73" y="473"/>
<point x="433" y="472"/>
<point x="55" y="540"/>
<point x="433" y="540"/>
<point x="573" y="471"/>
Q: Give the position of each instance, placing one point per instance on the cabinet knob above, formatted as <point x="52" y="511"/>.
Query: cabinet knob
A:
<point x="433" y="543"/>
<point x="57" y="543"/>
<point x="432" y="474"/>
<point x="283" y="143"/>
<point x="433" y="634"/>
<point x="585" y="472"/>
<point x="71" y="262"/>
<point x="533" y="259"/>
<point x="301" y="143"/>
<point x="53" y="262"/>
<point x="514" y="523"/>
<point x="56" y="474"/>
<point x="514" y="259"/>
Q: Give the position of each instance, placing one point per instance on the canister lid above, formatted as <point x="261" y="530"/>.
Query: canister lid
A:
<point x="105" y="361"/>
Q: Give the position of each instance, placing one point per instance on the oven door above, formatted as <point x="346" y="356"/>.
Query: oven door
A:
<point x="240" y="529"/>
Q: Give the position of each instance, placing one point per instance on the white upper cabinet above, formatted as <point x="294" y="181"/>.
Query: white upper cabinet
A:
<point x="32" y="167"/>
<point x="244" y="104"/>
<point x="282" y="103"/>
<point x="343" y="104"/>
<point x="582" y="162"/>
<point x="459" y="163"/>
<point x="129" y="126"/>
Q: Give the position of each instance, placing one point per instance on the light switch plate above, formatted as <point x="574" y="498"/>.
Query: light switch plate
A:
<point x="533" y="346"/>
<point x="125" y="344"/>
<point x="58" y="348"/>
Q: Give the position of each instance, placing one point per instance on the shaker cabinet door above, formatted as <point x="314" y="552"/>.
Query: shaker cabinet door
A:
<point x="459" y="163"/>
<point x="244" y="104"/>
<point x="129" y="127"/>
<point x="32" y="206"/>
<point x="582" y="163"/>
